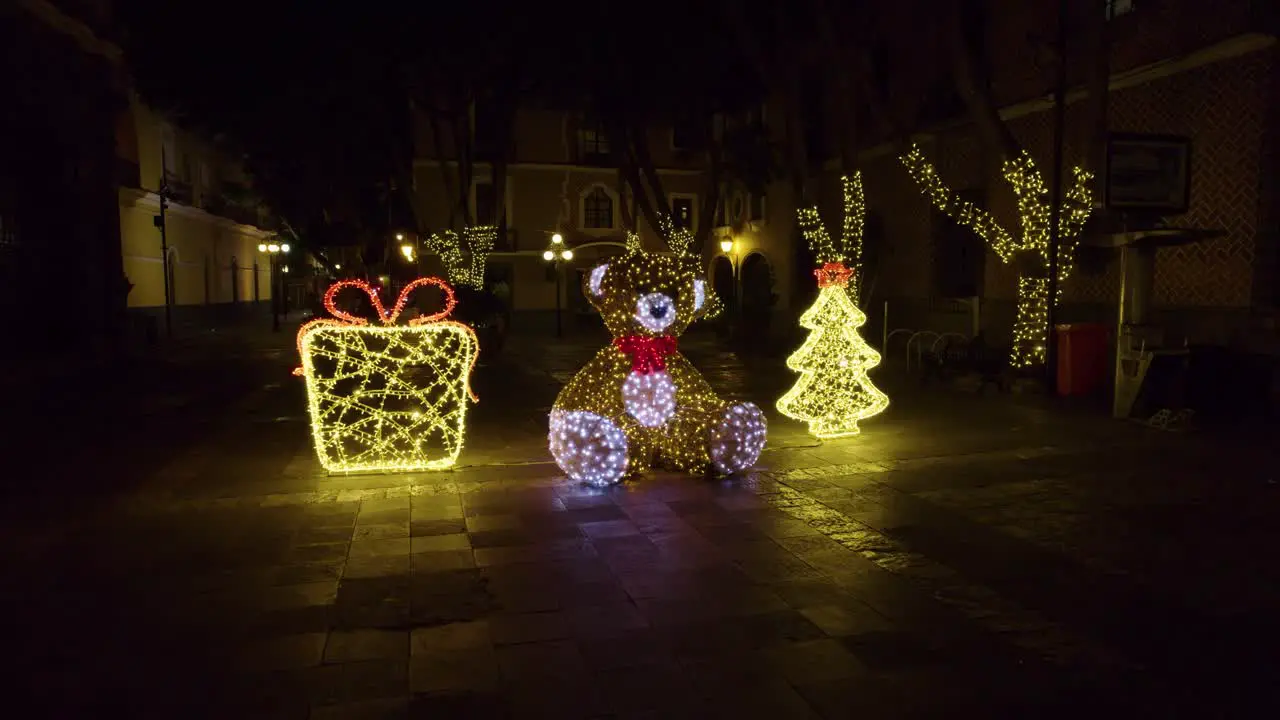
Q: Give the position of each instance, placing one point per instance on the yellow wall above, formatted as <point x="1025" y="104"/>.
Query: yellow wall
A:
<point x="212" y="257"/>
<point x="203" y="248"/>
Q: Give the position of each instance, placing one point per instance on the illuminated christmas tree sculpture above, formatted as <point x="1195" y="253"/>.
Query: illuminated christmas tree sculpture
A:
<point x="834" y="392"/>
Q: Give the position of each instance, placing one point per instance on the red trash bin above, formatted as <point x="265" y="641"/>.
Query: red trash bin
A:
<point x="1082" y="358"/>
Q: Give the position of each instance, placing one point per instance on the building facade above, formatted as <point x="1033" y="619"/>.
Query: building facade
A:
<point x="213" y="224"/>
<point x="561" y="180"/>
<point x="80" y="171"/>
<point x="62" y="82"/>
<point x="1178" y="67"/>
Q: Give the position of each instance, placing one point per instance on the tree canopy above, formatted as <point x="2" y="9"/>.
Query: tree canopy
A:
<point x="318" y="95"/>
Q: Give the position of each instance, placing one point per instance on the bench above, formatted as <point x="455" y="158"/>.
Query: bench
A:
<point x="957" y="358"/>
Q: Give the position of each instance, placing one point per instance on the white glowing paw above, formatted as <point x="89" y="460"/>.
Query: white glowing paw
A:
<point x="737" y="438"/>
<point x="588" y="447"/>
<point x="650" y="398"/>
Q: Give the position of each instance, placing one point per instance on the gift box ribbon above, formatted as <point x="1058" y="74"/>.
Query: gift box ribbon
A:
<point x="388" y="317"/>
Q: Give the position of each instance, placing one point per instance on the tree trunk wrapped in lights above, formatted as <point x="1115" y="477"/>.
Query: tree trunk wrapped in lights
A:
<point x="834" y="392"/>
<point x="1029" y="250"/>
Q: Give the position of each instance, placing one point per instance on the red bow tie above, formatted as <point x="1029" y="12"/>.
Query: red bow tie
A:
<point x="646" y="352"/>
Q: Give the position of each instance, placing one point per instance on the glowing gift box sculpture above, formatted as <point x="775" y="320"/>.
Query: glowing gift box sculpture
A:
<point x="639" y="401"/>
<point x="387" y="398"/>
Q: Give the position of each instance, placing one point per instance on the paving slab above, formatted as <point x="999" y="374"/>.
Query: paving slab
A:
<point x="985" y="556"/>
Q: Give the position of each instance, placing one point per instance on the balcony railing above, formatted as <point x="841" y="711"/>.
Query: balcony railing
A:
<point x="179" y="191"/>
<point x="243" y="215"/>
<point x="127" y="173"/>
<point x="222" y="206"/>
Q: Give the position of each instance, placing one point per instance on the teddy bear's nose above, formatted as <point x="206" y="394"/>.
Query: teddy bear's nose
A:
<point x="658" y="311"/>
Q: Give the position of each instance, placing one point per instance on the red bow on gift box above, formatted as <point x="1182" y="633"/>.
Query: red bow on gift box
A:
<point x="388" y="317"/>
<point x="646" y="352"/>
<point x="833" y="273"/>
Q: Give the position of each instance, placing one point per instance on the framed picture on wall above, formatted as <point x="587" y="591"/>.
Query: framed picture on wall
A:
<point x="1148" y="173"/>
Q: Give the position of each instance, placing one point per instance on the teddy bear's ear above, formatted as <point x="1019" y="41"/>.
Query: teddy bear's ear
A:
<point x="595" y="282"/>
<point x="699" y="294"/>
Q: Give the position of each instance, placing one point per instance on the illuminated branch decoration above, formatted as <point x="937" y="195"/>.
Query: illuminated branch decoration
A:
<point x="469" y="269"/>
<point x="1031" y="246"/>
<point x="639" y="402"/>
<point x="848" y="249"/>
<point x="633" y="242"/>
<point x="387" y="398"/>
<point x="681" y="241"/>
<point x="833" y="392"/>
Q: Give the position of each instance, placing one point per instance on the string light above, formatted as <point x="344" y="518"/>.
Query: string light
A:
<point x="679" y="239"/>
<point x="1031" y="328"/>
<point x="833" y="392"/>
<point x="387" y="398"/>
<point x="682" y="241"/>
<point x="639" y="402"/>
<point x="633" y="242"/>
<point x="848" y="248"/>
<point x="469" y="269"/>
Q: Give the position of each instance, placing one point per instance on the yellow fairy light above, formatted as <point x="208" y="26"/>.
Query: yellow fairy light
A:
<point x="681" y="241"/>
<point x="633" y="242"/>
<point x="639" y="402"/>
<point x="387" y="398"/>
<point x="833" y="392"/>
<point x="468" y="269"/>
<point x="1030" y="332"/>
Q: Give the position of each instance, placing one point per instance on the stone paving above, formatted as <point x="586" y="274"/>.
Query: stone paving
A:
<point x="963" y="557"/>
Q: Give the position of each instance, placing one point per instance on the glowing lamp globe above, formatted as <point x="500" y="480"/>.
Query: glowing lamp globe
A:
<point x="548" y="256"/>
<point x="284" y="248"/>
<point x="557" y="239"/>
<point x="726" y="246"/>
<point x="262" y="247"/>
<point x="567" y="255"/>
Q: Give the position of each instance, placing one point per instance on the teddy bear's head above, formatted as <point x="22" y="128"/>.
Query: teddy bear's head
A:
<point x="640" y="293"/>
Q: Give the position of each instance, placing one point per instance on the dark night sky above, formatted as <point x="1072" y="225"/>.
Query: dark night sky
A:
<point x="242" y="54"/>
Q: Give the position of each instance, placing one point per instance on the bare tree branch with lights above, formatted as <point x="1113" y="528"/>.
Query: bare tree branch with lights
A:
<point x="1029" y="246"/>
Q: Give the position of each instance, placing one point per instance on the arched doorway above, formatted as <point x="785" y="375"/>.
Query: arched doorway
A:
<point x="758" y="299"/>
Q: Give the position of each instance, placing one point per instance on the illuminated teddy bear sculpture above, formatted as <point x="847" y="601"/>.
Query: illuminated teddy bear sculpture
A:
<point x="639" y="401"/>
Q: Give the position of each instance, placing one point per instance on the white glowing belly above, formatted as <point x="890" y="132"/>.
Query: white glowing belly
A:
<point x="649" y="398"/>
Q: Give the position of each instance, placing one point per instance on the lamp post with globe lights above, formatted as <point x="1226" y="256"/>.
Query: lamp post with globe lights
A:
<point x="556" y="254"/>
<point x="273" y="252"/>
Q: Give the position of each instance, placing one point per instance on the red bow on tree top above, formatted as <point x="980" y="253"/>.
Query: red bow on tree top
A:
<point x="646" y="352"/>
<point x="833" y="273"/>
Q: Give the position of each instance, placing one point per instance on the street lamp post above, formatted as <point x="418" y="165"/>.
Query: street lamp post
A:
<point x="273" y="251"/>
<point x="727" y="246"/>
<point x="408" y="250"/>
<point x="556" y="253"/>
<point x="162" y="224"/>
